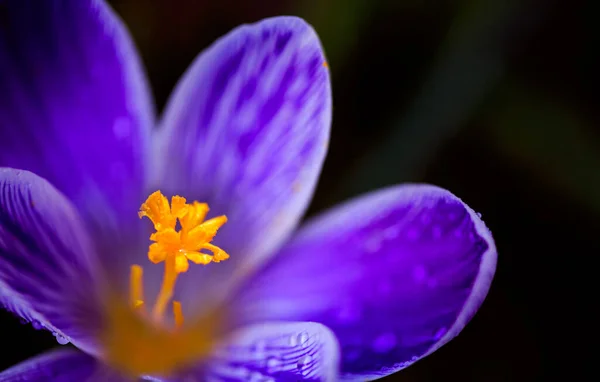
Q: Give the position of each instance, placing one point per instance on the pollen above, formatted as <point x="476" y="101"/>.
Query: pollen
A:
<point x="176" y="248"/>
<point x="136" y="338"/>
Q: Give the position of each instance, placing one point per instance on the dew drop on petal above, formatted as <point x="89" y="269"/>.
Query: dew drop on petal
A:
<point x="472" y="237"/>
<point x="122" y="128"/>
<point x="293" y="341"/>
<point x="303" y="339"/>
<point x="242" y="373"/>
<point x="384" y="343"/>
<point x="273" y="364"/>
<point x="60" y="339"/>
<point x="419" y="273"/>
<point x="259" y="348"/>
<point x="352" y="354"/>
<point x="349" y="312"/>
<point x="391" y="232"/>
<point x="440" y="333"/>
<point x="372" y="244"/>
<point x="37" y="325"/>
<point x="303" y="364"/>
<point x="256" y="377"/>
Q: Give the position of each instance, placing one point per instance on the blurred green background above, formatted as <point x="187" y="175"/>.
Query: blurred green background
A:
<point x="494" y="100"/>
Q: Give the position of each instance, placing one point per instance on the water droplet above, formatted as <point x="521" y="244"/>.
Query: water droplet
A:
<point x="60" y="339"/>
<point x="440" y="333"/>
<point x="273" y="364"/>
<point x="372" y="244"/>
<point x="303" y="364"/>
<point x="419" y="273"/>
<point x="472" y="237"/>
<point x="479" y="215"/>
<point x="384" y="343"/>
<point x="37" y="325"/>
<point x="242" y="373"/>
<point x="259" y="348"/>
<point x="426" y="218"/>
<point x="293" y="341"/>
<point x="256" y="377"/>
<point x="303" y="339"/>
<point x="349" y="312"/>
<point x="352" y="354"/>
<point x="122" y="128"/>
<point x="391" y="232"/>
<point x="260" y="345"/>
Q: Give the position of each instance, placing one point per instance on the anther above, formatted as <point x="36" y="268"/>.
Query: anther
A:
<point x="175" y="248"/>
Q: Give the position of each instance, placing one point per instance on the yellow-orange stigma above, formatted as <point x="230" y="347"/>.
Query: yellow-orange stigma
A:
<point x="175" y="248"/>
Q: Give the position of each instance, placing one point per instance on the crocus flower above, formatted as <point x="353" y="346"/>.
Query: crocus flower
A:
<point x="234" y="294"/>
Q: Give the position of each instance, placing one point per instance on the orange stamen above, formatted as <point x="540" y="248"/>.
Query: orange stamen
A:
<point x="177" y="314"/>
<point x="136" y="289"/>
<point x="166" y="289"/>
<point x="175" y="248"/>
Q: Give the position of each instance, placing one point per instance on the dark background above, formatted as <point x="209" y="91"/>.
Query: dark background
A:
<point x="494" y="100"/>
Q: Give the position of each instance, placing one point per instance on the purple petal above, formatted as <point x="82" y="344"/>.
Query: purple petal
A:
<point x="395" y="275"/>
<point x="64" y="365"/>
<point x="46" y="259"/>
<point x="246" y="130"/>
<point x="75" y="107"/>
<point x="276" y="351"/>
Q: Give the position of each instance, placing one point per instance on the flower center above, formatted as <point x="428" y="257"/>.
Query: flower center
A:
<point x="135" y="340"/>
<point x="175" y="248"/>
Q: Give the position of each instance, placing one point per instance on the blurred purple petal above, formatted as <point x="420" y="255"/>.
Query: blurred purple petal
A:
<point x="395" y="275"/>
<point x="64" y="365"/>
<point x="47" y="269"/>
<point x="246" y="130"/>
<point x="276" y="351"/>
<point x="75" y="107"/>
